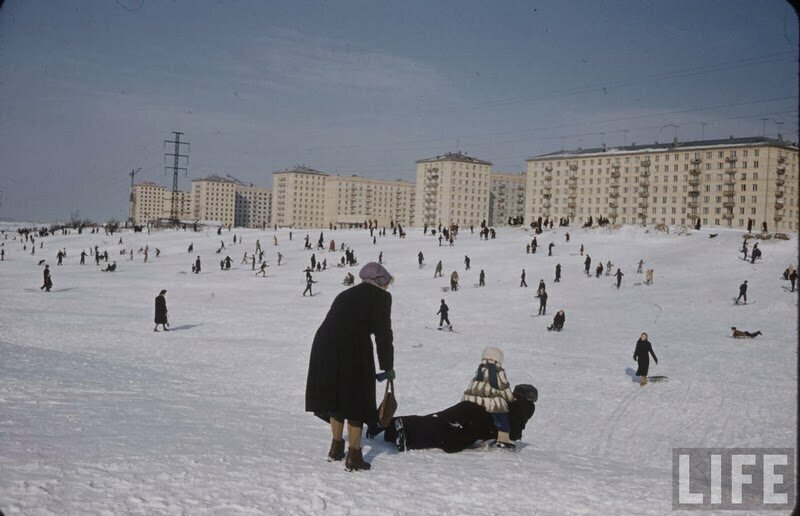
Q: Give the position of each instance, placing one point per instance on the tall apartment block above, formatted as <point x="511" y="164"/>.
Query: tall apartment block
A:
<point x="506" y="197"/>
<point x="213" y="198"/>
<point x="722" y="182"/>
<point x="353" y="200"/>
<point x="151" y="202"/>
<point x="452" y="188"/>
<point x="253" y="208"/>
<point x="298" y="197"/>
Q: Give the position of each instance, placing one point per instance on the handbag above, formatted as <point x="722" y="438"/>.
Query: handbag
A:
<point x="388" y="406"/>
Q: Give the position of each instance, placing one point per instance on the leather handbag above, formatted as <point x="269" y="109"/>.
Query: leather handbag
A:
<point x="388" y="406"/>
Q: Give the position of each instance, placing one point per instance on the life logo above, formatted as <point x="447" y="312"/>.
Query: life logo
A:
<point x="733" y="478"/>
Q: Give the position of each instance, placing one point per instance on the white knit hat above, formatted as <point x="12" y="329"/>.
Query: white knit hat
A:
<point x="492" y="353"/>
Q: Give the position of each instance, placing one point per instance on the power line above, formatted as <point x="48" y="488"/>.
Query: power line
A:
<point x="176" y="156"/>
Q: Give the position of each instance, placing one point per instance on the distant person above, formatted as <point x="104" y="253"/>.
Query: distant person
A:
<point x="161" y="311"/>
<point x="642" y="357"/>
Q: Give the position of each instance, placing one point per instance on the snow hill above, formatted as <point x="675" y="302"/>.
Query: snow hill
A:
<point x="100" y="415"/>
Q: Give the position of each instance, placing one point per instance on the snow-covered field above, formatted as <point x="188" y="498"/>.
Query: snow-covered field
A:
<point x="100" y="415"/>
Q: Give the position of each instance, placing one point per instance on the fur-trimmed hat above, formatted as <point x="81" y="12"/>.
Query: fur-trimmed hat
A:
<point x="376" y="273"/>
<point x="492" y="353"/>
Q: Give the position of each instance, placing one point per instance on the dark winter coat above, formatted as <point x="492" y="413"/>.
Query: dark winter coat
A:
<point x="558" y="321"/>
<point x="341" y="370"/>
<point x="161" y="310"/>
<point x="642" y="356"/>
<point x="458" y="427"/>
<point x="443" y="309"/>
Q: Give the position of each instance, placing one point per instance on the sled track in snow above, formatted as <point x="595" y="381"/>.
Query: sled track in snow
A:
<point x="614" y="419"/>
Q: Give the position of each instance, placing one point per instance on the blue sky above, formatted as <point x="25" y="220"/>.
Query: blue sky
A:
<point x="90" y="89"/>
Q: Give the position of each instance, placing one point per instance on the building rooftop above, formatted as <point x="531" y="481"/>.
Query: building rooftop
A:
<point x="301" y="169"/>
<point x="674" y="145"/>
<point x="454" y="156"/>
<point x="215" y="179"/>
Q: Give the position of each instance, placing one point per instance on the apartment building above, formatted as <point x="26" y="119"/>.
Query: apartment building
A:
<point x="506" y="197"/>
<point x="452" y="188"/>
<point x="151" y="202"/>
<point x="214" y="199"/>
<point x="299" y="197"/>
<point x="352" y="200"/>
<point x="722" y="182"/>
<point x="253" y="206"/>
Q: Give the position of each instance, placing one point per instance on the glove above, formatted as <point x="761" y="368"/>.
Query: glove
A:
<point x="385" y="375"/>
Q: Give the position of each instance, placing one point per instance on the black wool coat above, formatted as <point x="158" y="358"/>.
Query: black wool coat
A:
<point x="341" y="370"/>
<point x="456" y="428"/>
<point x="161" y="310"/>
<point x="642" y="356"/>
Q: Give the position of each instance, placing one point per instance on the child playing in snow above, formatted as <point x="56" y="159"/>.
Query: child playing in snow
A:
<point x="490" y="389"/>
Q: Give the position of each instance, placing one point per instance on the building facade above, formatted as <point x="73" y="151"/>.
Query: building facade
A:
<point x="214" y="199"/>
<point x="506" y="197"/>
<point x="452" y="189"/>
<point x="720" y="182"/>
<point x="253" y="208"/>
<point x="298" y="197"/>
<point x="352" y="200"/>
<point x="152" y="202"/>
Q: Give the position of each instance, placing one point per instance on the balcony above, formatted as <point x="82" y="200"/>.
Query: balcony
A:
<point x="780" y="182"/>
<point x="779" y="205"/>
<point x="645" y="173"/>
<point x="644" y="183"/>
<point x="779" y="194"/>
<point x="730" y="159"/>
<point x="730" y="181"/>
<point x="695" y="172"/>
<point x="613" y="214"/>
<point x="781" y="170"/>
<point x="645" y="162"/>
<point x="694" y="204"/>
<point x="613" y="205"/>
<point x="644" y="194"/>
<point x="642" y="205"/>
<point x="695" y="161"/>
<point x="615" y="174"/>
<point x="548" y="186"/>
<point x="727" y="216"/>
<point x="728" y="193"/>
<point x="695" y="181"/>
<point x="778" y="217"/>
<point x="781" y="159"/>
<point x="728" y="204"/>
<point x="547" y="195"/>
<point x="693" y="193"/>
<point x="548" y="178"/>
<point x="571" y="204"/>
<point x="614" y="195"/>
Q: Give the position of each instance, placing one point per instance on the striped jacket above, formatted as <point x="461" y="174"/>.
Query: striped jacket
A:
<point x="489" y="388"/>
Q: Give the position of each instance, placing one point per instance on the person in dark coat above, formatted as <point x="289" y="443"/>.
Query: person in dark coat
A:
<point x="458" y="427"/>
<point x="48" y="281"/>
<point x="642" y="356"/>
<point x="482" y="280"/>
<point x="197" y="265"/>
<point x="550" y="249"/>
<point x="619" y="276"/>
<point x="161" y="311"/>
<point x="793" y="278"/>
<point x="443" y="311"/>
<point x="542" y="302"/>
<point x="421" y="258"/>
<point x="558" y="273"/>
<point x="558" y="322"/>
<point x="742" y="292"/>
<point x="341" y="373"/>
<point x="587" y="264"/>
<point x="522" y="282"/>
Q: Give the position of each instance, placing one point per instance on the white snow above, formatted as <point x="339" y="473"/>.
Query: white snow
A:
<point x="100" y="415"/>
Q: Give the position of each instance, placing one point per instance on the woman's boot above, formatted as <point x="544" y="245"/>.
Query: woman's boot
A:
<point x="354" y="461"/>
<point x="336" y="452"/>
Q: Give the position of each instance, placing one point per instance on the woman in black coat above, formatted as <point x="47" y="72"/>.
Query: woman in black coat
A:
<point x="642" y="356"/>
<point x="341" y="371"/>
<point x="161" y="311"/>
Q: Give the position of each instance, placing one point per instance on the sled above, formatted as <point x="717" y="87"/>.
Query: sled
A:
<point x="639" y="284"/>
<point x="449" y="328"/>
<point x="445" y="289"/>
<point x="735" y="302"/>
<point x="657" y="379"/>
